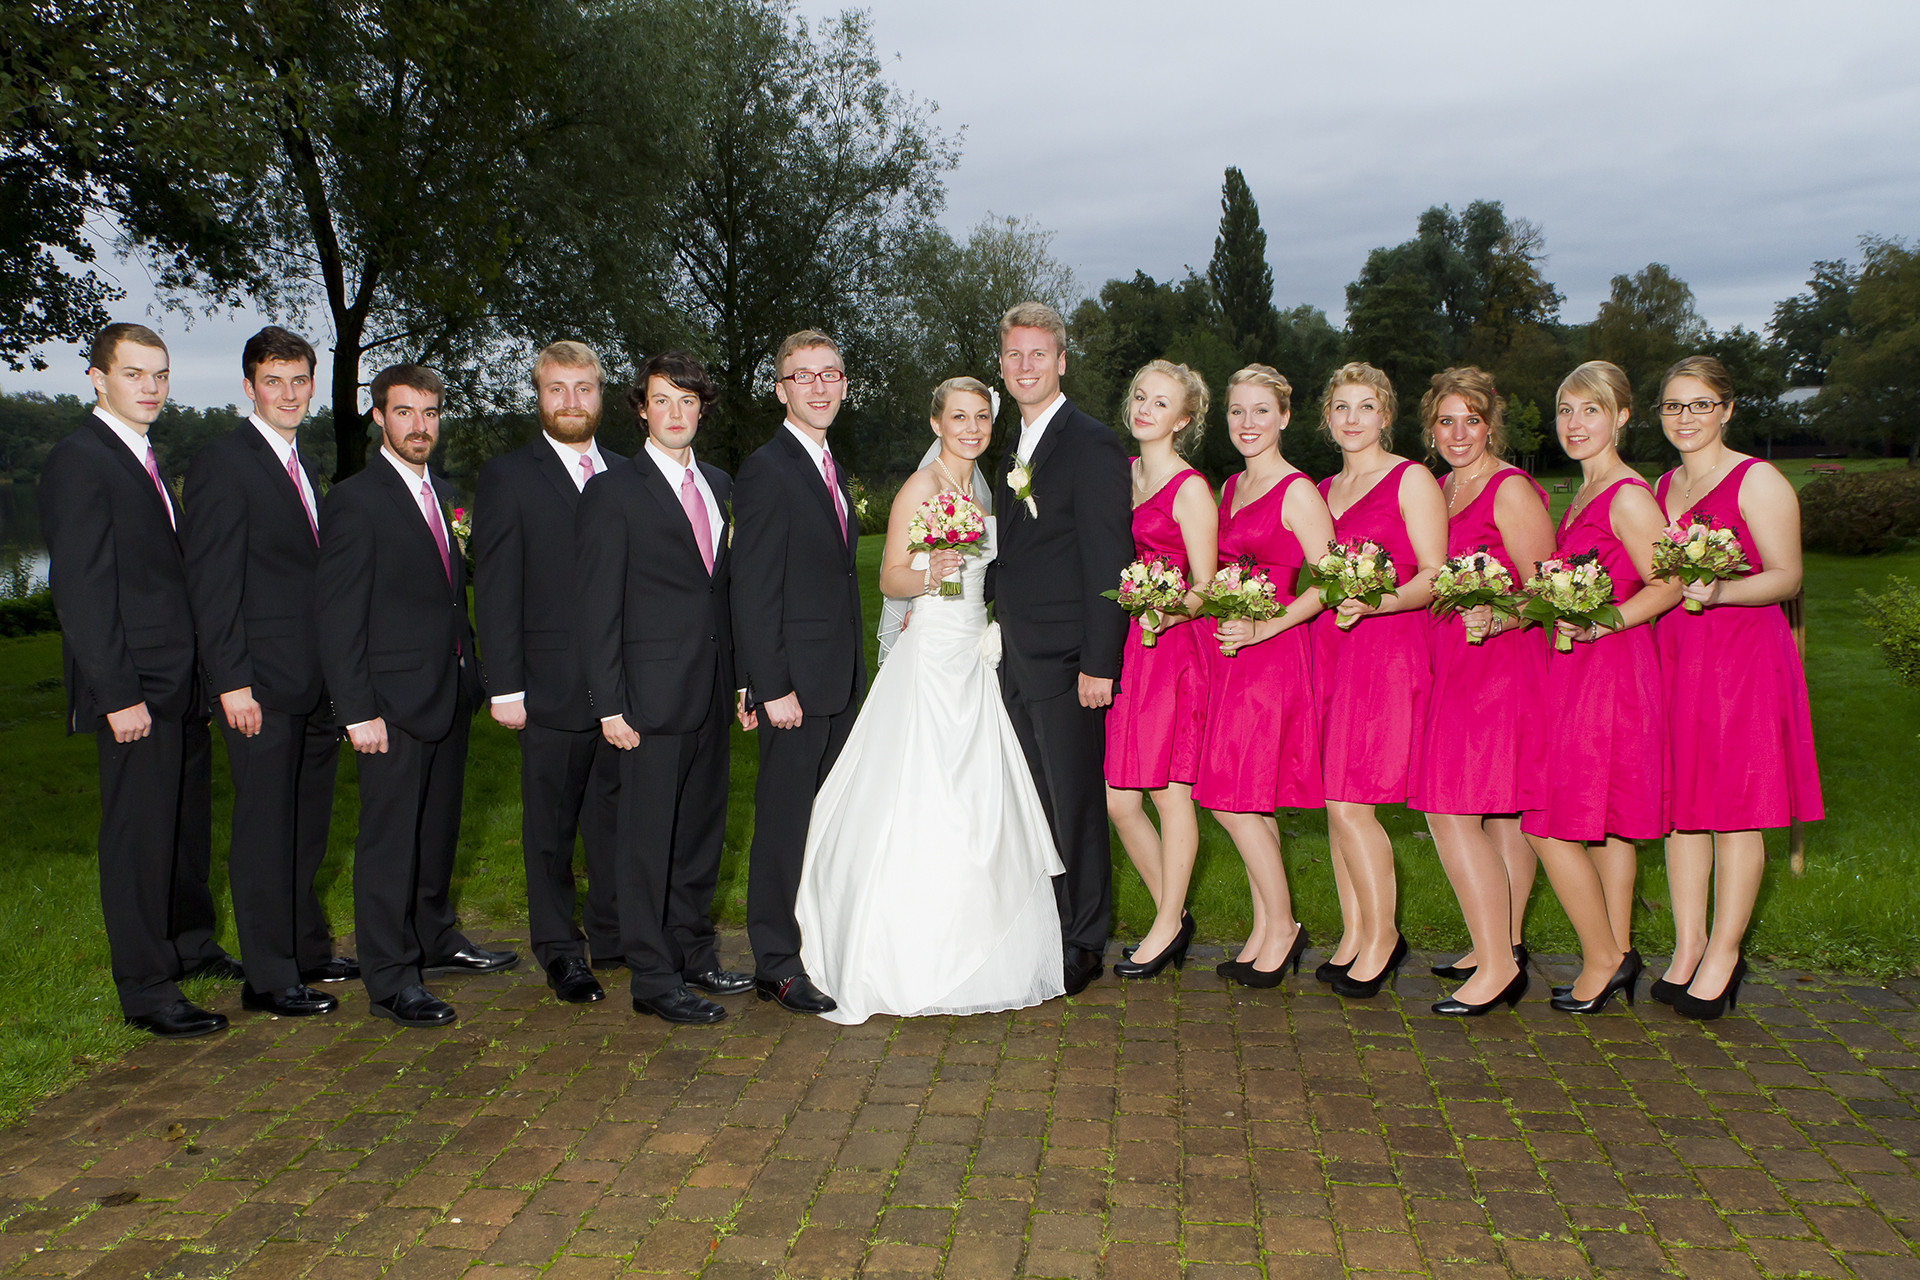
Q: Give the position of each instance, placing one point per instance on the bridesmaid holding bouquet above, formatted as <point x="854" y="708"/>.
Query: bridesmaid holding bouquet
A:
<point x="1158" y="718"/>
<point x="1604" y="774"/>
<point x="1482" y="743"/>
<point x="1262" y="748"/>
<point x="1372" y="679"/>
<point x="1740" y="731"/>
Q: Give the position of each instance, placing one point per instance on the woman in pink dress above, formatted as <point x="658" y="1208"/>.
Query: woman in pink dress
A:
<point x="1603" y="774"/>
<point x="1158" y="717"/>
<point x="1737" y="716"/>
<point x="1262" y="748"/>
<point x="1484" y="715"/>
<point x="1371" y="676"/>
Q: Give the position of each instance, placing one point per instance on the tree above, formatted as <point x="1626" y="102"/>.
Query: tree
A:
<point x="1647" y="322"/>
<point x="1241" y="279"/>
<point x="958" y="292"/>
<point x="1759" y="372"/>
<point x="1807" y="324"/>
<point x="1395" y="324"/>
<point x="1873" y="381"/>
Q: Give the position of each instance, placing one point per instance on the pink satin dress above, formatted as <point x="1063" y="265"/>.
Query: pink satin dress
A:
<point x="1737" y="712"/>
<point x="1372" y="682"/>
<point x="1262" y="746"/>
<point x="1604" y="771"/>
<point x="1159" y="712"/>
<point x="1485" y="718"/>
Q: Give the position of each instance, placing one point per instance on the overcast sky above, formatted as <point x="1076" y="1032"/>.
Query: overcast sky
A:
<point x="1735" y="142"/>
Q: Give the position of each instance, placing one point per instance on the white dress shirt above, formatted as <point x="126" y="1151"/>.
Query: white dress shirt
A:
<point x="138" y="443"/>
<point x="819" y="455"/>
<point x="676" y="475"/>
<point x="1030" y="433"/>
<point x="282" y="450"/>
<point x="570" y="459"/>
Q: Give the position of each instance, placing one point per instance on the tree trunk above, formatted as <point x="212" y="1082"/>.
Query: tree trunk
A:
<point x="349" y="424"/>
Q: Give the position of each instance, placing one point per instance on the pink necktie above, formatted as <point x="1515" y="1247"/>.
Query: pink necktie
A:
<point x="431" y="510"/>
<point x="586" y="469"/>
<point x="153" y="471"/>
<point x="833" y="491"/>
<point x="293" y="474"/>
<point x="696" y="509"/>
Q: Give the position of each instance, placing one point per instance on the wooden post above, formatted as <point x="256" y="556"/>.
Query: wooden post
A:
<point x="1796" y="610"/>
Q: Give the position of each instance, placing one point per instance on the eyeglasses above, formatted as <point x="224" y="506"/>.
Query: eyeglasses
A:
<point x="1698" y="408"/>
<point x="807" y="377"/>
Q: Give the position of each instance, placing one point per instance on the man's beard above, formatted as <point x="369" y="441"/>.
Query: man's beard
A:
<point x="405" y="445"/>
<point x="570" y="427"/>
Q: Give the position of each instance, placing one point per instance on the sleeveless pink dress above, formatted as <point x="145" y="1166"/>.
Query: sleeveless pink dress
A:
<point x="1262" y="746"/>
<point x="1605" y="768"/>
<point x="1482" y="745"/>
<point x="1159" y="712"/>
<point x="1737" y="715"/>
<point x="1372" y="681"/>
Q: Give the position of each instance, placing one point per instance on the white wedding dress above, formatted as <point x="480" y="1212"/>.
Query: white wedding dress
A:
<point x="927" y="886"/>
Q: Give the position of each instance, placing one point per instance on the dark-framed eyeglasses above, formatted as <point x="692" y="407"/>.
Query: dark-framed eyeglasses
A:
<point x="807" y="377"/>
<point x="1698" y="408"/>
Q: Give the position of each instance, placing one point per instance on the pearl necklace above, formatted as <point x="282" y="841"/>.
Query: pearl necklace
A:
<point x="947" y="475"/>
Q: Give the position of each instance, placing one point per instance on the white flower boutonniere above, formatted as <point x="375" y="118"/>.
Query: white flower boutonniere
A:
<point x="1020" y="478"/>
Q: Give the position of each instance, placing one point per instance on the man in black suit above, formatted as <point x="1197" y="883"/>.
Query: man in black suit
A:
<point x="253" y="542"/>
<point x="127" y="649"/>
<point x="523" y="539"/>
<point x="655" y="628"/>
<point x="1066" y="532"/>
<point x="398" y="658"/>
<point x="798" y="635"/>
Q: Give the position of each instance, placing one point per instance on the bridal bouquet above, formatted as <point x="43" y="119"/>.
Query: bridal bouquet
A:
<point x="1239" y="590"/>
<point x="1468" y="581"/>
<point x="1360" y="571"/>
<point x="1695" y="549"/>
<point x="948" y="522"/>
<point x="1148" y="588"/>
<point x="1576" y="589"/>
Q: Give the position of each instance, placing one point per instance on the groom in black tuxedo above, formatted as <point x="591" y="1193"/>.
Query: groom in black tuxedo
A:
<point x="1066" y="532"/>
<point x="800" y="643"/>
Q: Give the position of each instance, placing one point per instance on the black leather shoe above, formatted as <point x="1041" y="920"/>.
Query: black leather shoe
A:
<point x="1367" y="988"/>
<point x="1624" y="979"/>
<point x="797" y="994"/>
<point x="179" y="1021"/>
<point x="1453" y="1007"/>
<point x="719" y="982"/>
<point x="1174" y="953"/>
<point x="682" y="1006"/>
<point x="1460" y="973"/>
<point x="224" y="967"/>
<point x="298" y="1001"/>
<point x="336" y="969"/>
<point x="573" y="982"/>
<point x="1079" y="967"/>
<point x="1329" y="970"/>
<point x="1253" y="976"/>
<point x="472" y="959"/>
<point x="1689" y="1005"/>
<point x="415" y="1006"/>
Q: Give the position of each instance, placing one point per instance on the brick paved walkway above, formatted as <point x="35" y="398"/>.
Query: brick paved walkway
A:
<point x="1128" y="1133"/>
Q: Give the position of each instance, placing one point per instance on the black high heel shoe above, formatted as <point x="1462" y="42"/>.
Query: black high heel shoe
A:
<point x="1689" y="1005"/>
<point x="1624" y="979"/>
<point x="1665" y="991"/>
<point x="1367" y="988"/>
<point x="1329" y="970"/>
<point x="1460" y="973"/>
<point x="1254" y="976"/>
<point x="1186" y="922"/>
<point x="1174" y="953"/>
<point x="1454" y="1007"/>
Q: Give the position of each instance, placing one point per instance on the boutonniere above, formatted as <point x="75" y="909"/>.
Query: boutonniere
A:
<point x="859" y="492"/>
<point x="462" y="527"/>
<point x="1020" y="477"/>
<point x="729" y="524"/>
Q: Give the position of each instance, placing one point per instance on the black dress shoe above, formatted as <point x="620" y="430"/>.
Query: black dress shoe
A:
<point x="179" y="1021"/>
<point x="1329" y="970"/>
<point x="797" y="994"/>
<point x="1079" y="967"/>
<point x="1254" y="976"/>
<point x="1174" y="953"/>
<point x="1460" y="973"/>
<point x="297" y="1001"/>
<point x="1453" y="1007"/>
<point x="573" y="982"/>
<point x="1367" y="988"/>
<point x="224" y="967"/>
<point x="719" y="982"/>
<point x="1689" y="1005"/>
<point x="414" y="1006"/>
<point x="680" y="1005"/>
<point x="336" y="969"/>
<point x="1624" y="979"/>
<point x="472" y="959"/>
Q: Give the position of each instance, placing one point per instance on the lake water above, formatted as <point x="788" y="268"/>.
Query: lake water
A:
<point x="23" y="555"/>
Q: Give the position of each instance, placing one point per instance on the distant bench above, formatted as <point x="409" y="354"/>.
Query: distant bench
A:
<point x="1826" y="468"/>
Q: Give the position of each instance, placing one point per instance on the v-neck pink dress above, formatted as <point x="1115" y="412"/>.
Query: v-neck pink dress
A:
<point x="1262" y="747"/>
<point x="1737" y="712"/>
<point x="1605" y="769"/>
<point x="1484" y="720"/>
<point x="1159" y="712"/>
<point x="1372" y="681"/>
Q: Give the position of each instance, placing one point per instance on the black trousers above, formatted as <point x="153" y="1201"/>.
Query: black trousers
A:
<point x="156" y="847"/>
<point x="403" y="857"/>
<point x="673" y="825"/>
<point x="1065" y="744"/>
<point x="282" y="812"/>
<point x="793" y="764"/>
<point x="569" y="787"/>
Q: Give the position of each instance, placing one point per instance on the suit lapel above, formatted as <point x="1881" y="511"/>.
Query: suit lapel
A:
<point x="654" y="482"/>
<point x="722" y="486"/>
<point x="814" y="482"/>
<point x="278" y="475"/>
<point x="117" y="448"/>
<point x="408" y="500"/>
<point x="548" y="464"/>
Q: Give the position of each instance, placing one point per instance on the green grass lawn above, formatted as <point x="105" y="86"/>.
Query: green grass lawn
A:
<point x="1857" y="907"/>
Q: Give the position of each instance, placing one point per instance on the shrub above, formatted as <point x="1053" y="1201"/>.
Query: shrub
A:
<point x="28" y="614"/>
<point x="1860" y="514"/>
<point x="1894" y="615"/>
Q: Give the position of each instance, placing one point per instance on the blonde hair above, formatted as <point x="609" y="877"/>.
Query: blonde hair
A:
<point x="800" y="342"/>
<point x="1602" y="382"/>
<point x="1034" y="315"/>
<point x="1267" y="378"/>
<point x="1707" y="370"/>
<point x="568" y="355"/>
<point x="972" y="386"/>
<point x="1193" y="400"/>
<point x="1358" y="373"/>
<point x="1475" y="386"/>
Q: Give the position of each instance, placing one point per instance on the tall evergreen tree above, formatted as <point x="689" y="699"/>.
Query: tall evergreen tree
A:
<point x="1241" y="280"/>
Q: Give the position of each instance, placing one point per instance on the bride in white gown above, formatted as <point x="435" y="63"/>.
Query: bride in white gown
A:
<point x="927" y="886"/>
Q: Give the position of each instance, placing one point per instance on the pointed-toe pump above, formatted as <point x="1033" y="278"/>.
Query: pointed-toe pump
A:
<point x="1624" y="979"/>
<point x="1367" y="988"/>
<point x="1174" y="953"/>
<point x="1461" y="972"/>
<point x="1689" y="1005"/>
<point x="1252" y="976"/>
<point x="1509" y="995"/>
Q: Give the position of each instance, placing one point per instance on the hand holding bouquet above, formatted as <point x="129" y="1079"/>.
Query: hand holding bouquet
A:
<point x="1474" y="579"/>
<point x="1575" y="590"/>
<point x="1353" y="571"/>
<point x="1695" y="549"/>
<point x="1239" y="591"/>
<point x="1148" y="589"/>
<point x="948" y="522"/>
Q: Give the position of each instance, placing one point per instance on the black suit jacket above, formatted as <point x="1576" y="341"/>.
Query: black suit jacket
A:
<point x="655" y="626"/>
<point x="796" y="599"/>
<point x="119" y="582"/>
<point x="394" y="637"/>
<point x="524" y="513"/>
<point x="1047" y="578"/>
<point x="251" y="558"/>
